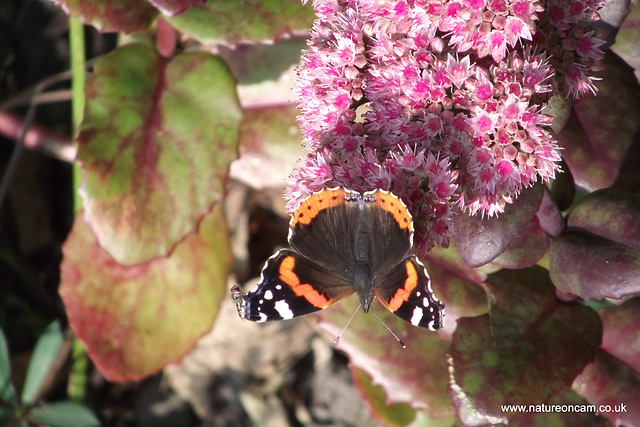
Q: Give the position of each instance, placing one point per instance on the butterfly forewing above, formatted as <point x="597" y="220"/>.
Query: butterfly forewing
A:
<point x="325" y="237"/>
<point x="291" y="285"/>
<point x="388" y="245"/>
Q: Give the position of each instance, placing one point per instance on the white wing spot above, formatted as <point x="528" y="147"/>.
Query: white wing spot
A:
<point x="263" y="317"/>
<point x="268" y="295"/>
<point x="283" y="309"/>
<point x="417" y="316"/>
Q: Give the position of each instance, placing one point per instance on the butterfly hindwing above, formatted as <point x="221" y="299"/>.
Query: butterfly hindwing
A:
<point x="290" y="286"/>
<point x="413" y="300"/>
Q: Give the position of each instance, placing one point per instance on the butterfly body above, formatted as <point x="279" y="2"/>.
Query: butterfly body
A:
<point x="343" y="242"/>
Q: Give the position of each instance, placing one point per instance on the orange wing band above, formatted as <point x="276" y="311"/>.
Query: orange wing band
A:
<point x="404" y="292"/>
<point x="395" y="206"/>
<point x="300" y="289"/>
<point x="317" y="202"/>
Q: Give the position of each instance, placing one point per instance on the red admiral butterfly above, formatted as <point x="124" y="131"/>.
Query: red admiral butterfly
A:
<point x="344" y="242"/>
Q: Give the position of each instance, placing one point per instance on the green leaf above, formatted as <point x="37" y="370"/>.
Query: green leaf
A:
<point x="256" y="20"/>
<point x="155" y="148"/>
<point x="64" y="414"/>
<point x="7" y="392"/>
<point x="398" y="414"/>
<point x="134" y="320"/>
<point x="44" y="354"/>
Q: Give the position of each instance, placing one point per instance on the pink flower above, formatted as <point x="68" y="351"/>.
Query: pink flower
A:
<point x="438" y="100"/>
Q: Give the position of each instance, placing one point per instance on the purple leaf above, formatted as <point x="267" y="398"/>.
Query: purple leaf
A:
<point x="527" y="248"/>
<point x="602" y="128"/>
<point x="526" y="348"/>
<point x="621" y="329"/>
<point x="600" y="256"/>
<point x="481" y="240"/>
<point x="609" y="213"/>
<point x="614" y="384"/>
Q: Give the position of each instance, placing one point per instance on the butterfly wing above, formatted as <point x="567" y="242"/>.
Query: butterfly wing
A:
<point x="322" y="229"/>
<point x="390" y="229"/>
<point x="414" y="300"/>
<point x="290" y="286"/>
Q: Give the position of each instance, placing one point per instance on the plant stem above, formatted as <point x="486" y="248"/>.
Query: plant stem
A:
<point x="78" y="375"/>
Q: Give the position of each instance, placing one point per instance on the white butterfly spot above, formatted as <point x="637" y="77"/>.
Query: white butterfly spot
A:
<point x="268" y="295"/>
<point x="417" y="316"/>
<point x="283" y="309"/>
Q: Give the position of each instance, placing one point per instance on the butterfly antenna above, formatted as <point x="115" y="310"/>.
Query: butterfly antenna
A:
<point x="388" y="328"/>
<point x="345" y="326"/>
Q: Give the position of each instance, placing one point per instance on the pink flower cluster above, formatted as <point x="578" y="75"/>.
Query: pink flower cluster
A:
<point x="437" y="100"/>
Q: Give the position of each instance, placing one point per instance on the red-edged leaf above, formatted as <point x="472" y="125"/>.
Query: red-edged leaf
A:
<point x="613" y="384"/>
<point x="602" y="128"/>
<point x="175" y="7"/>
<point x="621" y="329"/>
<point x="155" y="147"/>
<point x="526" y="348"/>
<point x="416" y="375"/>
<point x="135" y="320"/>
<point x="127" y="16"/>
<point x="269" y="147"/>
<point x="600" y="257"/>
<point x="480" y="240"/>
<point x="249" y="20"/>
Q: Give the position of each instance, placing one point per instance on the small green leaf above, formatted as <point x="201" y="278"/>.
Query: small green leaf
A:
<point x="64" y="414"/>
<point x="43" y="357"/>
<point x="7" y="392"/>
